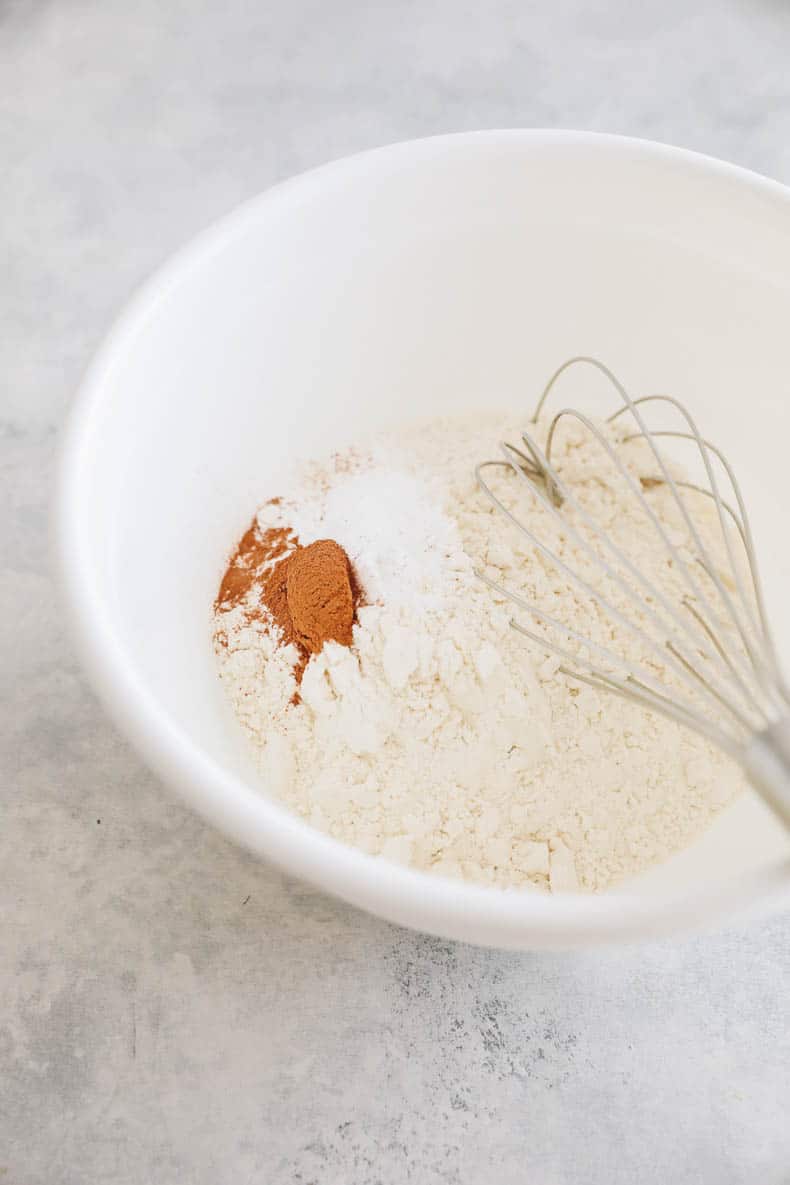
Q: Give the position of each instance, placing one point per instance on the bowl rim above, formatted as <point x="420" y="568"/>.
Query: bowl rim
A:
<point x="424" y="901"/>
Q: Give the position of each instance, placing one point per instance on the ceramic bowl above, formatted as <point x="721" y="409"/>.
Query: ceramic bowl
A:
<point x="437" y="276"/>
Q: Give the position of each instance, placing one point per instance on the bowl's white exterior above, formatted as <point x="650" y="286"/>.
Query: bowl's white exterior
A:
<point x="412" y="280"/>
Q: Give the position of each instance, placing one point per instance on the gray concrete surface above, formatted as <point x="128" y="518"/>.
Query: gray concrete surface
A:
<point x="170" y="1010"/>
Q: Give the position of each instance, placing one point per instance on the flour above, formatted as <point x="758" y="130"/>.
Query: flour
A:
<point x="440" y="738"/>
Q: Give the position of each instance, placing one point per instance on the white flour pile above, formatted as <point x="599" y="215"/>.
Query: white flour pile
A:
<point x="440" y="738"/>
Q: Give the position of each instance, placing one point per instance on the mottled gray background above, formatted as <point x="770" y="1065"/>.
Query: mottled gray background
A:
<point x="170" y="1010"/>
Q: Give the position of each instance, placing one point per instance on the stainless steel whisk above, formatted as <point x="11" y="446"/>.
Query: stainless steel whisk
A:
<point x="724" y="657"/>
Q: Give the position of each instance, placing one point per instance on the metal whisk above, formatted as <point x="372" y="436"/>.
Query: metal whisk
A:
<point x="714" y="638"/>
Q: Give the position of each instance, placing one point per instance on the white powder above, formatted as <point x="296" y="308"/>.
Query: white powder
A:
<point x="440" y="738"/>
<point x="394" y="533"/>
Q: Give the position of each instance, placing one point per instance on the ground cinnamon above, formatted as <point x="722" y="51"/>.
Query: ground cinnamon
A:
<point x="310" y="593"/>
<point x="274" y="595"/>
<point x="320" y="595"/>
<point x="256" y="551"/>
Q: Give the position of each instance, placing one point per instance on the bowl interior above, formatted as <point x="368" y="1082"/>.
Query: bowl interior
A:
<point x="427" y="278"/>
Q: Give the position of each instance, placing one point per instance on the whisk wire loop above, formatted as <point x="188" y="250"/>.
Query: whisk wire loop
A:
<point x="713" y="640"/>
<point x="679" y="562"/>
<point x="741" y="520"/>
<point x="649" y="436"/>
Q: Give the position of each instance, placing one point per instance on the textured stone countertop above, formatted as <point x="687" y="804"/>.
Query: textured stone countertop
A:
<point x="171" y="1011"/>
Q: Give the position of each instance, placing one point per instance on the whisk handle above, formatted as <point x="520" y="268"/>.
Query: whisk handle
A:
<point x="767" y="764"/>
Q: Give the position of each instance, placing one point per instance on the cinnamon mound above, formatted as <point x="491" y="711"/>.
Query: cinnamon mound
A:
<point x="319" y="594"/>
<point x="310" y="593"/>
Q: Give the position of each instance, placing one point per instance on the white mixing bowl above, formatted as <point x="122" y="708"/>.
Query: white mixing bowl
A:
<point x="432" y="276"/>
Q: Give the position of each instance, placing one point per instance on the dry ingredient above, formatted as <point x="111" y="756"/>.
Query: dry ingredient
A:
<point x="306" y="596"/>
<point x="319" y="594"/>
<point x="424" y="729"/>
